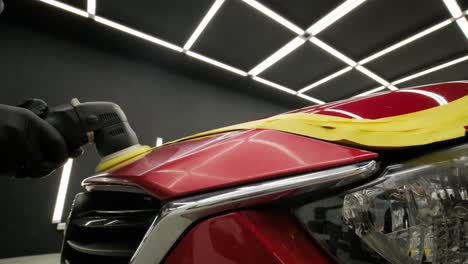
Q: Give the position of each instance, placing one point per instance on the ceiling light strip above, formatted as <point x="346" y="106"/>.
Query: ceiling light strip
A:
<point x="458" y="14"/>
<point x="274" y="85"/>
<point x="91" y="7"/>
<point x="333" y="51"/>
<point x="62" y="192"/>
<point x="66" y="7"/>
<point x="137" y="33"/>
<point x="463" y="24"/>
<point x="273" y="15"/>
<point x="406" y="41"/>
<point x="372" y="75"/>
<point x="334" y="16"/>
<point x="431" y="70"/>
<point x="326" y="79"/>
<point x="311" y="99"/>
<point x="278" y="55"/>
<point x="205" y="21"/>
<point x="216" y="63"/>
<point x="453" y="8"/>
<point x="378" y="89"/>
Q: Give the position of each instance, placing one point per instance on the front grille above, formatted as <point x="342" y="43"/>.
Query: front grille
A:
<point x="107" y="227"/>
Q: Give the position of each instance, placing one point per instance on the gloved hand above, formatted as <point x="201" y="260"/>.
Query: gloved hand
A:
<point x="29" y="146"/>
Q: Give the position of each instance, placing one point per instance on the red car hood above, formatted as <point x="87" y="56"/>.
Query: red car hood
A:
<point x="239" y="157"/>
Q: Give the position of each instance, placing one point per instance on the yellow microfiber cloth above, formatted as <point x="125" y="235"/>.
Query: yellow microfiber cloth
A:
<point x="432" y="125"/>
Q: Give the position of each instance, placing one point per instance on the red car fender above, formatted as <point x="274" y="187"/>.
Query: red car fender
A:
<point x="247" y="237"/>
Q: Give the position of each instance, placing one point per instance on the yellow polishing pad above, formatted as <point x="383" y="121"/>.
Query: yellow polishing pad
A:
<point x="122" y="157"/>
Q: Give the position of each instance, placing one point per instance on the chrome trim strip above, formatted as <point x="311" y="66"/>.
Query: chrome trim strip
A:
<point x="114" y="188"/>
<point x="177" y="216"/>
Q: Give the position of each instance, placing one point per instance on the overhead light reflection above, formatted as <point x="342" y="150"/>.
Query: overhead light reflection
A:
<point x="346" y="113"/>
<point x="439" y="99"/>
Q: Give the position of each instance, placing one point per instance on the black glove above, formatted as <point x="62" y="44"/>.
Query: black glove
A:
<point x="29" y="146"/>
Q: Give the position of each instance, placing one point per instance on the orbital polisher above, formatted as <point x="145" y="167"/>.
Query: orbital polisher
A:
<point x="101" y="123"/>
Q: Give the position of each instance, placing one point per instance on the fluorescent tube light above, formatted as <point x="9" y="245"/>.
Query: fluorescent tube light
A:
<point x="458" y="14"/>
<point x="137" y="33"/>
<point x="406" y="41"/>
<point x="378" y="89"/>
<point x="205" y="21"/>
<point x="463" y="24"/>
<point x="333" y="51"/>
<point x="430" y="70"/>
<point x="324" y="80"/>
<point x="159" y="141"/>
<point x="271" y="14"/>
<point x="334" y="16"/>
<point x="439" y="99"/>
<point x="278" y="55"/>
<point x="274" y="85"/>
<point x="91" y="7"/>
<point x="372" y="75"/>
<point x="216" y="63"/>
<point x="311" y="99"/>
<point x="453" y="8"/>
<point x="66" y="7"/>
<point x="62" y="192"/>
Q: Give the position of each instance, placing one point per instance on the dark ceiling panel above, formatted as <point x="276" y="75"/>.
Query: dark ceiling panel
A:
<point x="302" y="67"/>
<point x="438" y="47"/>
<point x="241" y="36"/>
<point x="378" y="24"/>
<point x="454" y="73"/>
<point x="302" y="12"/>
<point x="463" y="4"/>
<point x="81" y="4"/>
<point x="171" y="20"/>
<point x="342" y="87"/>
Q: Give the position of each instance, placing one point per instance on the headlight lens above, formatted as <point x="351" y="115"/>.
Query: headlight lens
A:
<point x="417" y="212"/>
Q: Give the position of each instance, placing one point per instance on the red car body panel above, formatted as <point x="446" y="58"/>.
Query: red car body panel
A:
<point x="246" y="156"/>
<point x="248" y="237"/>
<point x="231" y="159"/>
<point x="260" y="235"/>
<point x="392" y="103"/>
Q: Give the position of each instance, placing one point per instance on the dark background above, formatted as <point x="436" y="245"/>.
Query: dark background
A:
<point x="47" y="54"/>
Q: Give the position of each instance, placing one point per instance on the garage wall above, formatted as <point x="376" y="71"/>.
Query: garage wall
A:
<point x="159" y="101"/>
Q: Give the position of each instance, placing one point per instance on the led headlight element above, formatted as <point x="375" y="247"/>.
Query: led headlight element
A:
<point x="415" y="213"/>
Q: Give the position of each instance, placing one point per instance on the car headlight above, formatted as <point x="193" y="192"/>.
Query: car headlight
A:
<point x="416" y="212"/>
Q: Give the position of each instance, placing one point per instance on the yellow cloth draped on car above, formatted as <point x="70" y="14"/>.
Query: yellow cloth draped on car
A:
<point x="432" y="125"/>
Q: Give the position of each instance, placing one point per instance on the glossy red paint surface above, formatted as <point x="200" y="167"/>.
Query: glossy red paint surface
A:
<point x="231" y="159"/>
<point x="246" y="156"/>
<point x="247" y="237"/>
<point x="393" y="103"/>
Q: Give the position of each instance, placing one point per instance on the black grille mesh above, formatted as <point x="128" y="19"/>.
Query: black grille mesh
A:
<point x="107" y="227"/>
